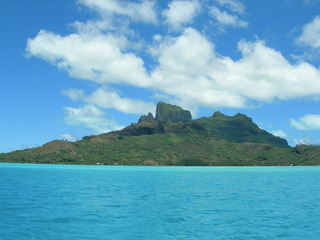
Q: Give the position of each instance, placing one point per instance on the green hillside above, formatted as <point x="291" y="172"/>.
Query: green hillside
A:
<point x="213" y="141"/>
<point x="238" y="129"/>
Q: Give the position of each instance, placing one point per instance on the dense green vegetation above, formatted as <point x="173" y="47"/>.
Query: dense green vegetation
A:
<point x="239" y="128"/>
<point x="214" y="141"/>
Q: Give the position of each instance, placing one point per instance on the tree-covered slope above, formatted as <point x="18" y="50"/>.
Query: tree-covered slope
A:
<point x="213" y="141"/>
<point x="238" y="129"/>
<point x="187" y="148"/>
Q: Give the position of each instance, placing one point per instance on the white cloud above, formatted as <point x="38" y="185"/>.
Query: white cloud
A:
<point x="68" y="137"/>
<point x="307" y="122"/>
<point x="74" y="94"/>
<point x="227" y="19"/>
<point x="108" y="99"/>
<point x="185" y="63"/>
<point x="105" y="98"/>
<point x="90" y="117"/>
<point x="181" y="12"/>
<point x="94" y="54"/>
<point x="311" y="34"/>
<point x="88" y="56"/>
<point x="227" y="13"/>
<point x="265" y="74"/>
<point x="187" y="70"/>
<point x="279" y="133"/>
<point x="112" y="100"/>
<point x="303" y="141"/>
<point x="141" y="12"/>
<point x="189" y="53"/>
<point x="207" y="79"/>
<point x="233" y="5"/>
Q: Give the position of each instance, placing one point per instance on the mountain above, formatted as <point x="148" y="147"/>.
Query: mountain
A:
<point x="168" y="113"/>
<point x="172" y="113"/>
<point x="173" y="138"/>
<point x="239" y="129"/>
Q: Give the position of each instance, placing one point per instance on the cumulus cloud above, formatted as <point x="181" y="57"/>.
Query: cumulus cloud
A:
<point x="311" y="34"/>
<point x="307" y="122"/>
<point x="186" y="69"/>
<point x="105" y="98"/>
<point x="108" y="99"/>
<point x="207" y="79"/>
<point x="189" y="70"/>
<point x="227" y="19"/>
<point x="227" y="13"/>
<point x="143" y="11"/>
<point x="279" y="133"/>
<point x="181" y="12"/>
<point x="99" y="58"/>
<point x="74" y="94"/>
<point x="68" y="137"/>
<point x="303" y="141"/>
<point x="188" y="62"/>
<point x="233" y="5"/>
<point x="90" y="117"/>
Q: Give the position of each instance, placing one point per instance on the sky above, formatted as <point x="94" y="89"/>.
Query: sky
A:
<point x="74" y="68"/>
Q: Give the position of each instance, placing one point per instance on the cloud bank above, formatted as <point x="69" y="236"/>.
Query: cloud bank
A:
<point x="228" y="13"/>
<point x="307" y="122"/>
<point x="279" y="133"/>
<point x="311" y="34"/>
<point x="186" y="69"/>
<point x="180" y="13"/>
<point x="91" y="117"/>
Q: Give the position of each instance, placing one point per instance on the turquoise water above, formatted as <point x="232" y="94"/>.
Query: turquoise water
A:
<point x="116" y="202"/>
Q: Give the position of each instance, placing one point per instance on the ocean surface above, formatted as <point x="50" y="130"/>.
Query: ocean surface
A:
<point x="124" y="202"/>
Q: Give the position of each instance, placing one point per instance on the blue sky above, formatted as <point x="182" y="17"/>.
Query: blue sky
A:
<point x="80" y="67"/>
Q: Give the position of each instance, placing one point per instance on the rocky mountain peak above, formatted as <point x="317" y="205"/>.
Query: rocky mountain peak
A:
<point x="146" y="118"/>
<point x="171" y="113"/>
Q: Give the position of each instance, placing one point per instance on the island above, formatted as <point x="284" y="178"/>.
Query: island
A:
<point x="173" y="138"/>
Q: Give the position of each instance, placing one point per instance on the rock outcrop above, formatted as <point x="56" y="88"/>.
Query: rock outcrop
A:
<point x="146" y="118"/>
<point x="171" y="113"/>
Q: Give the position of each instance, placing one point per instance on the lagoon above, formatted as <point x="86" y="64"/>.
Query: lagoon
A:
<point x="127" y="202"/>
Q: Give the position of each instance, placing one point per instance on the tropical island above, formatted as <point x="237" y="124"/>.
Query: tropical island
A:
<point x="172" y="137"/>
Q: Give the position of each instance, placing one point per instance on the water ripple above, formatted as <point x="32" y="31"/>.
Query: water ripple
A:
<point x="77" y="202"/>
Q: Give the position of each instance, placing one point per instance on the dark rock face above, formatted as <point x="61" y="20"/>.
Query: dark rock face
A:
<point x="171" y="113"/>
<point x="158" y="127"/>
<point x="173" y="119"/>
<point x="144" y="128"/>
<point x="145" y="118"/>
